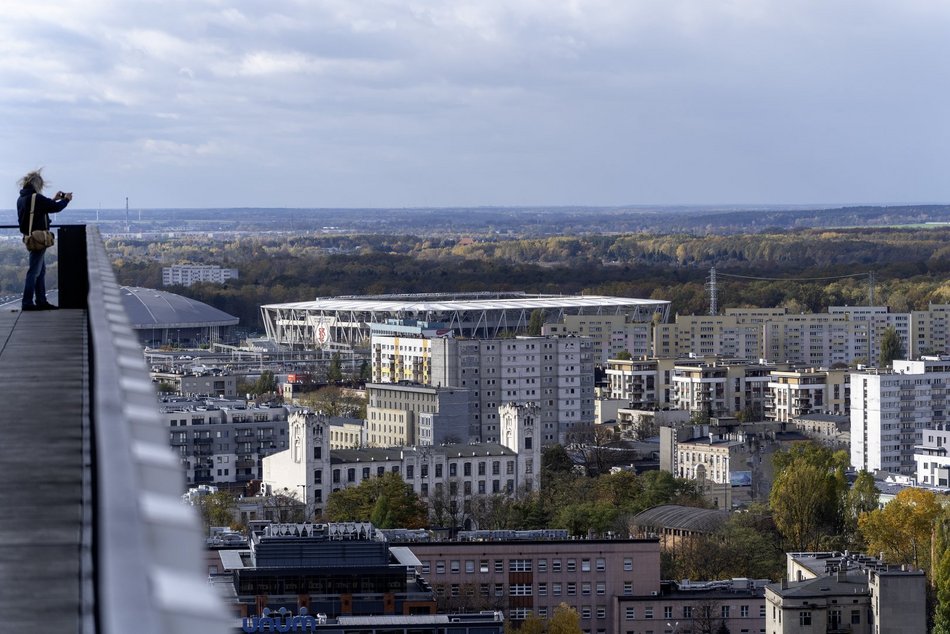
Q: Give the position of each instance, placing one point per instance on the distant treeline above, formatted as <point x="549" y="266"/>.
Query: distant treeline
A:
<point x="910" y="267"/>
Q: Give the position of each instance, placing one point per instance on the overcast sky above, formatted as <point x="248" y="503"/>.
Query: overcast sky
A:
<point x="393" y="103"/>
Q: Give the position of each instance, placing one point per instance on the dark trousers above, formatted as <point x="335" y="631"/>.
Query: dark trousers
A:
<point x="35" y="284"/>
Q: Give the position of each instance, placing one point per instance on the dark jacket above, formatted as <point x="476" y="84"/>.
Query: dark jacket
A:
<point x="44" y="206"/>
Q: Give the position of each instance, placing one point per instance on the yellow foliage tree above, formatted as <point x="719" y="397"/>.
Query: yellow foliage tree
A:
<point x="903" y="529"/>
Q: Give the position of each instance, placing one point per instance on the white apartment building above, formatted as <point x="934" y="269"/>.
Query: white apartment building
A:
<point x="188" y="274"/>
<point x="310" y="470"/>
<point x="890" y="412"/>
<point x="794" y="393"/>
<point x="933" y="463"/>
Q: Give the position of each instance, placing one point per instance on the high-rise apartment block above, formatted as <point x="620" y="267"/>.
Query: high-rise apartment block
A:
<point x="554" y="373"/>
<point x="890" y="411"/>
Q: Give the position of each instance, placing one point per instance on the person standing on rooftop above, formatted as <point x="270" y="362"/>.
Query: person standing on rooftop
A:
<point x="35" y="284"/>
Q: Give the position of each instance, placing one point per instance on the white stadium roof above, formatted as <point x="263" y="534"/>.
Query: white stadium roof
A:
<point x="410" y="304"/>
<point x="345" y="320"/>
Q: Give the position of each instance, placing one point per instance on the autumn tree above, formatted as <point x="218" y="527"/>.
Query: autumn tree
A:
<point x="903" y="529"/>
<point x="565" y="620"/>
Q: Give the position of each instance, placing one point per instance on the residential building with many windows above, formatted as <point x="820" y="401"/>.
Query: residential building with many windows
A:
<point x="188" y="274"/>
<point x="452" y="474"/>
<point x="890" y="411"/>
<point x="795" y="393"/>
<point x="523" y="574"/>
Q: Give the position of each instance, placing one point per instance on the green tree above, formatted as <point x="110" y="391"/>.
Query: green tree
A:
<point x="804" y="504"/>
<point x="536" y="322"/>
<point x="216" y="509"/>
<point x="386" y="500"/>
<point x="891" y="347"/>
<point x="335" y="370"/>
<point x="623" y="355"/>
<point x="863" y="497"/>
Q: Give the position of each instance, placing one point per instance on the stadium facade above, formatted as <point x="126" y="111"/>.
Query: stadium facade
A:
<point x="342" y="323"/>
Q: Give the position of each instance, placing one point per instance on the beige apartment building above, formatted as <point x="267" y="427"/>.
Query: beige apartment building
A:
<point x="794" y="393"/>
<point x="611" y="334"/>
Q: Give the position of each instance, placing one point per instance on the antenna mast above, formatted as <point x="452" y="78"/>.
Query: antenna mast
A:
<point x="713" y="292"/>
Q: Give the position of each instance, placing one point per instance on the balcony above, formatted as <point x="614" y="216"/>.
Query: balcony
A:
<point x="83" y="530"/>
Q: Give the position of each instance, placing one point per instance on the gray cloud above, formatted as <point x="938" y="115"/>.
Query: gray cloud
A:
<point x="392" y="103"/>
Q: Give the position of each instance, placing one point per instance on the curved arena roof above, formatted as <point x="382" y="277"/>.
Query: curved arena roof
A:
<point x="347" y="319"/>
<point x="150" y="308"/>
<point x="687" y="518"/>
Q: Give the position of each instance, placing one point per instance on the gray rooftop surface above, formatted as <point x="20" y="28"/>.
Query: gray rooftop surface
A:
<point x="150" y="308"/>
<point x="44" y="373"/>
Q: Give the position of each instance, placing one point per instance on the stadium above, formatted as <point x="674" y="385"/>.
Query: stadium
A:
<point x="342" y="323"/>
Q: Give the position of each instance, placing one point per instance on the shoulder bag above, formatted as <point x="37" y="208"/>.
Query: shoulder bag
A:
<point x="39" y="239"/>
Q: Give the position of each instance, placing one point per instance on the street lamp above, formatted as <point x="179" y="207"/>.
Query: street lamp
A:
<point x="675" y="627"/>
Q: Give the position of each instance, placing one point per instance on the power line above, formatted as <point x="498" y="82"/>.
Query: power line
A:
<point x="791" y="279"/>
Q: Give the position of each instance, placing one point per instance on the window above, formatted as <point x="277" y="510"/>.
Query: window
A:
<point x="585" y="588"/>
<point x="542" y="565"/>
<point x="483" y="565"/>
<point x="601" y="611"/>
<point x="519" y="614"/>
<point x="572" y="565"/>
<point x="469" y="566"/>
<point x="455" y="565"/>
<point x="743" y="611"/>
<point x="630" y="614"/>
<point x="648" y="613"/>
<point x="804" y="618"/>
<point x="855" y="617"/>
<point x="519" y="590"/>
<point x="425" y="567"/>
<point x="585" y="565"/>
<point x="499" y="565"/>
<point x="571" y="589"/>
<point x="628" y="587"/>
<point x="542" y="589"/>
<point x="667" y="611"/>
<point x="440" y="567"/>
<point x="519" y="565"/>
<point x="725" y="611"/>
<point x="601" y="564"/>
<point x="628" y="564"/>
<point x="555" y="565"/>
<point x="601" y="588"/>
<point x="556" y="589"/>
<point x="688" y="611"/>
<point x="499" y="589"/>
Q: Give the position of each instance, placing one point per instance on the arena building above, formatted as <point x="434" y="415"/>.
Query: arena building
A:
<point x="160" y="318"/>
<point x="342" y="323"/>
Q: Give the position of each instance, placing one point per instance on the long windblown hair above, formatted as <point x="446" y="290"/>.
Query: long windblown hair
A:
<point x="34" y="179"/>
